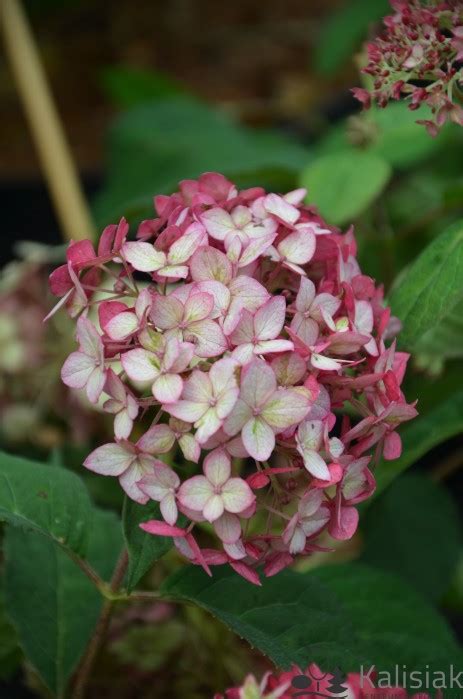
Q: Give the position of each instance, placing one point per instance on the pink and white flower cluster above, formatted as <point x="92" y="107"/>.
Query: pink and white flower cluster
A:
<point x="235" y="330"/>
<point x="418" y="57"/>
<point x="314" y="682"/>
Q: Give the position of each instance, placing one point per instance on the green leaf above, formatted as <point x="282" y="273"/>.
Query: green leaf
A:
<point x="10" y="652"/>
<point x="399" y="139"/>
<point x="413" y="530"/>
<point x="391" y="133"/>
<point x="50" y="500"/>
<point x="393" y="623"/>
<point x="343" y="616"/>
<point x="442" y="342"/>
<point x="430" y="288"/>
<point x="143" y="548"/>
<point x="344" y="31"/>
<point x="52" y="604"/>
<point x="154" y="146"/>
<point x="344" y="184"/>
<point x="422" y="434"/>
<point x="128" y="87"/>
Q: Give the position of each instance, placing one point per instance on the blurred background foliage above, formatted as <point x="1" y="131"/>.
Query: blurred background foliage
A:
<point x="152" y="93"/>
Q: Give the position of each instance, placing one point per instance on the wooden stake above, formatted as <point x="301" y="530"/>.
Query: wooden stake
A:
<point x="58" y="167"/>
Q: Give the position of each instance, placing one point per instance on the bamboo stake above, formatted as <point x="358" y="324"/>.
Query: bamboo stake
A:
<point x="53" y="150"/>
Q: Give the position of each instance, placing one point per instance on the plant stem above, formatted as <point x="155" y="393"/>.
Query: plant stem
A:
<point x="96" y="642"/>
<point x="447" y="467"/>
<point x="91" y="574"/>
<point x="50" y="141"/>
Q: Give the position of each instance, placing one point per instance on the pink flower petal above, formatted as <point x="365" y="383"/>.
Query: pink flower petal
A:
<point x="77" y="369"/>
<point x="255" y="248"/>
<point x="140" y="365"/>
<point x="166" y="312"/>
<point x="217" y="467"/>
<point x="159" y="439"/>
<point x="109" y="460"/>
<point x="95" y="384"/>
<point x="237" y="496"/>
<point x="184" y="247"/>
<point x="288" y="406"/>
<point x="283" y="210"/>
<point x="258" y="439"/>
<point x="270" y="318"/>
<point x="213" y="509"/>
<point x="158" y="528"/>
<point x="168" y="508"/>
<point x="195" y="492"/>
<point x="198" y="307"/>
<point x="209" y="263"/>
<point x="209" y="338"/>
<point x="218" y="223"/>
<point x="298" y="247"/>
<point x="186" y="410"/>
<point x="238" y="417"/>
<point x="228" y="528"/>
<point x="89" y="338"/>
<point x="122" y="325"/>
<point x="392" y="446"/>
<point x="143" y="256"/>
<point x="198" y="388"/>
<point x="346" y="526"/>
<point x="315" y="465"/>
<point x="246" y="572"/>
<point x="258" y="383"/>
<point x="167" y="388"/>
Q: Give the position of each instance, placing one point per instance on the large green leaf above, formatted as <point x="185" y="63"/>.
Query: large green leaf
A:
<point x="430" y="288"/>
<point x="10" y="653"/>
<point x="344" y="31"/>
<point x="344" y="184"/>
<point x="127" y="86"/>
<point x="337" y="616"/>
<point x="399" y="139"/>
<point x="143" y="548"/>
<point x="413" y="530"/>
<point x="393" y="624"/>
<point x="154" y="146"/>
<point x="52" y="604"/>
<point x="422" y="434"/>
<point x="391" y="133"/>
<point x="50" y="500"/>
<point x="444" y="341"/>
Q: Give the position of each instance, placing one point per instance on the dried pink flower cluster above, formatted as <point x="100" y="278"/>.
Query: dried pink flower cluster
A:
<point x="314" y="682"/>
<point x="251" y="329"/>
<point x="418" y="57"/>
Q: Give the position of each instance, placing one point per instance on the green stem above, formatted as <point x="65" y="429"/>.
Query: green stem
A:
<point x="96" y="642"/>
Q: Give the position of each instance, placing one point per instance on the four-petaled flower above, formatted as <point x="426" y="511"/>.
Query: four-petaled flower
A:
<point x="259" y="333"/>
<point x="208" y="398"/>
<point x="263" y="409"/>
<point x="161" y="369"/>
<point x="145" y="258"/>
<point x="86" y="368"/>
<point x="131" y="462"/>
<point x="216" y="491"/>
<point x="190" y="321"/>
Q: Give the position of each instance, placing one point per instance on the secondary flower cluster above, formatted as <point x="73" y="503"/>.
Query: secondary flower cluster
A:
<point x="240" y="324"/>
<point x="418" y="57"/>
<point x="31" y="355"/>
<point x="315" y="682"/>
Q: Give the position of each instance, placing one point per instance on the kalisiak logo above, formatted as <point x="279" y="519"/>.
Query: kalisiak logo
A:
<point x="310" y="685"/>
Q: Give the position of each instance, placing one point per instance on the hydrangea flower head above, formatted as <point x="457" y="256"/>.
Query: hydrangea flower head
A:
<point x="238" y="327"/>
<point x="418" y="57"/>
